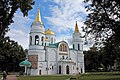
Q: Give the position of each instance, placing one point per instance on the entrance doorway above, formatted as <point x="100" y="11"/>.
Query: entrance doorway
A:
<point x="59" y="69"/>
<point x="81" y="70"/>
<point x="39" y="72"/>
<point x="67" y="69"/>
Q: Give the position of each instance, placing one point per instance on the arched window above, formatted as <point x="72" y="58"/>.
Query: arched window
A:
<point x="60" y="48"/>
<point x="73" y="46"/>
<point x="30" y="40"/>
<point x="36" y="40"/>
<point x="46" y="37"/>
<point x="67" y="69"/>
<point x="63" y="57"/>
<point x="81" y="70"/>
<point x="45" y="44"/>
<point x="42" y="38"/>
<point x="52" y="67"/>
<point x="78" y="47"/>
<point x="60" y="69"/>
<point x="52" y="40"/>
<point x="63" y="48"/>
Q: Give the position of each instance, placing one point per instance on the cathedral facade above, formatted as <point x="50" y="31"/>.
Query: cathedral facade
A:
<point x="50" y="57"/>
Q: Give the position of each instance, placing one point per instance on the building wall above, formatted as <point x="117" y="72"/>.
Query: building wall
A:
<point x="74" y="58"/>
<point x="48" y="61"/>
<point x="52" y="60"/>
<point x="48" y="58"/>
<point x="42" y="68"/>
<point x="34" y="72"/>
<point x="81" y="63"/>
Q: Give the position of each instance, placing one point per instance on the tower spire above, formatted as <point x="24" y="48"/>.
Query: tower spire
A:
<point x="76" y="28"/>
<point x="38" y="16"/>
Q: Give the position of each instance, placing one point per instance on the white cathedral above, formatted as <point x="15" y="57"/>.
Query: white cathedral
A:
<point x="48" y="57"/>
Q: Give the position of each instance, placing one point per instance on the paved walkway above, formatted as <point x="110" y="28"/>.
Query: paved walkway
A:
<point x="11" y="77"/>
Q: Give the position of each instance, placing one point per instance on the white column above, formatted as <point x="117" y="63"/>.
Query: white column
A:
<point x="25" y="70"/>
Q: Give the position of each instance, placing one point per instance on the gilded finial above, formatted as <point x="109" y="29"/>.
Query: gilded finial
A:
<point x="38" y="16"/>
<point x="76" y="28"/>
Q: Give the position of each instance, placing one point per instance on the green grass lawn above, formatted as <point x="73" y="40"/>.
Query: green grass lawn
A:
<point x="88" y="76"/>
<point x="49" y="77"/>
<point x="99" y="76"/>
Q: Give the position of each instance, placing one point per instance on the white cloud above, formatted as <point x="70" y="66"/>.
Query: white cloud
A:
<point x="19" y="36"/>
<point x="19" y="30"/>
<point x="21" y="22"/>
<point x="15" y="32"/>
<point x="64" y="37"/>
<point x="65" y="13"/>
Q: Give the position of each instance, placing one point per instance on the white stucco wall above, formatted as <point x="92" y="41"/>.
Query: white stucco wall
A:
<point x="34" y="72"/>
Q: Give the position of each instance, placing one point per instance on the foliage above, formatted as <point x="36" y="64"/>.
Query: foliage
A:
<point x="103" y="23"/>
<point x="11" y="54"/>
<point x="92" y="59"/>
<point x="7" y="10"/>
<point x="103" y="20"/>
<point x="103" y="57"/>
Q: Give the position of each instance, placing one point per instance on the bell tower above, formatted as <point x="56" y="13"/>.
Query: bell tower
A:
<point x="77" y="42"/>
<point x="36" y="52"/>
<point x="37" y="31"/>
<point x="78" y="46"/>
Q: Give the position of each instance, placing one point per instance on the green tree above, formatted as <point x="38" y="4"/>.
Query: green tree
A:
<point x="11" y="54"/>
<point x="103" y="57"/>
<point x="7" y="10"/>
<point x="103" y="20"/>
<point x="92" y="59"/>
<point x="109" y="53"/>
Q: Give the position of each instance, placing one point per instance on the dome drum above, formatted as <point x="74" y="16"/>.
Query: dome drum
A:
<point x="37" y="27"/>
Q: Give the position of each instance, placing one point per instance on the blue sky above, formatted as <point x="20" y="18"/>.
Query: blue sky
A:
<point x="58" y="15"/>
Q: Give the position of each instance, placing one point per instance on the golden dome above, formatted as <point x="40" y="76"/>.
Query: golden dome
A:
<point x="49" y="32"/>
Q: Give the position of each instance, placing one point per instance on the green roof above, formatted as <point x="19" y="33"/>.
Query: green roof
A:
<point x="25" y="63"/>
<point x="54" y="45"/>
